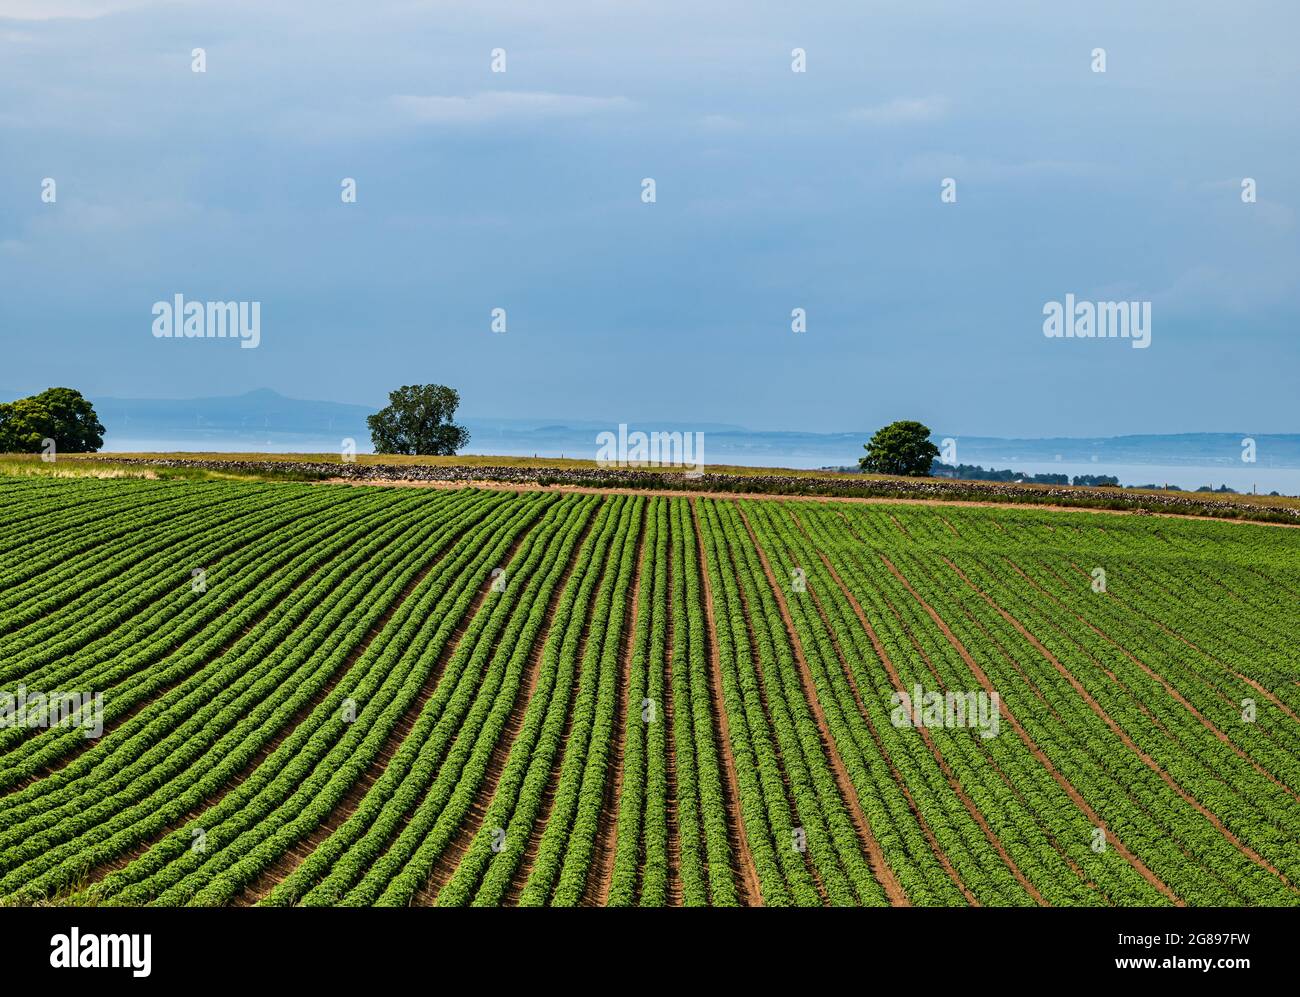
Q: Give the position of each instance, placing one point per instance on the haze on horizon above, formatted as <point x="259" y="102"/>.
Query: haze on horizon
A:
<point x="775" y="190"/>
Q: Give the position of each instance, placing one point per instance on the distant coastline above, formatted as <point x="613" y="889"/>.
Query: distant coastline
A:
<point x="267" y="421"/>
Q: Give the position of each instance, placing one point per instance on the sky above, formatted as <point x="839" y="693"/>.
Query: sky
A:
<point x="774" y="190"/>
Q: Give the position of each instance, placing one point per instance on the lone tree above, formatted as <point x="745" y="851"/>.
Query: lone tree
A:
<point x="900" y="448"/>
<point x="417" y="420"/>
<point x="59" y="414"/>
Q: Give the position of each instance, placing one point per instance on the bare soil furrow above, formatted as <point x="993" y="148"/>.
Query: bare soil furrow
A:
<point x="748" y="890"/>
<point x="866" y="838"/>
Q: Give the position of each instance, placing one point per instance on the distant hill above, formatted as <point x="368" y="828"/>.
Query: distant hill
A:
<point x="253" y="412"/>
<point x="258" y="419"/>
<point x="1200" y="449"/>
<point x="267" y="420"/>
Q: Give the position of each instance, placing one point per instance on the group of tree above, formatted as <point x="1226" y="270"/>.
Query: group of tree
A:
<point x="974" y="472"/>
<point x="60" y="418"/>
<point x="418" y="420"/>
<point x="904" y="448"/>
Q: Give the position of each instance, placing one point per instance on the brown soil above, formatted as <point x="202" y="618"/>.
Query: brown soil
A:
<point x="752" y="652"/>
<point x="866" y="838"/>
<point x="278" y="871"/>
<point x="1262" y="690"/>
<point x="450" y="859"/>
<point x="520" y="878"/>
<point x="82" y="744"/>
<point x="1173" y="693"/>
<point x="601" y="872"/>
<point x="1118" y="731"/>
<point x="748" y="890"/>
<point x="976" y="813"/>
<point x="764" y="496"/>
<point x="673" y="891"/>
<point x="948" y="774"/>
<point x="1038" y="753"/>
<point x="285" y="731"/>
<point x="935" y="847"/>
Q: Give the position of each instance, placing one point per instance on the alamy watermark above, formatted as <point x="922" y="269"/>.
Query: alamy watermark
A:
<point x="949" y="710"/>
<point x="638" y="449"/>
<point x="91" y="950"/>
<point x="1099" y="320"/>
<point x="181" y="319"/>
<point x="54" y="709"/>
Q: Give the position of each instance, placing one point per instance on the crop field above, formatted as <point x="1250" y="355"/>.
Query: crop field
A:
<point x="237" y="693"/>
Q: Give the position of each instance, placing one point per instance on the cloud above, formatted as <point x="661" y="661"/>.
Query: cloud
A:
<point x="985" y="170"/>
<point x="48" y="10"/>
<point x="720" y="123"/>
<point x="1242" y="288"/>
<point x="1232" y="183"/>
<point x="901" y="110"/>
<point x="498" y="105"/>
<point x="1228" y="193"/>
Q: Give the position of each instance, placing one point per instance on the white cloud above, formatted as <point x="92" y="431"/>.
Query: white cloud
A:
<point x="48" y="10"/>
<point x="1232" y="183"/>
<point x="1238" y="288"/>
<point x="721" y="123"/>
<point x="496" y="105"/>
<point x="986" y="170"/>
<point x="901" y="110"/>
<point x="1228" y="193"/>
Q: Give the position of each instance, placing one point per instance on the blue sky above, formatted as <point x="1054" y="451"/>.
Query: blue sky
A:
<point x="775" y="190"/>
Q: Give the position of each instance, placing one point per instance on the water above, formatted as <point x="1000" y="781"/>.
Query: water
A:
<point x="1240" y="477"/>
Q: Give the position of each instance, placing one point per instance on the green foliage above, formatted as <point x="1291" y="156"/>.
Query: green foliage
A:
<point x="59" y="414"/>
<point x="579" y="786"/>
<point x="902" y="448"/>
<point x="348" y="696"/>
<point x="418" y="420"/>
<point x="484" y="873"/>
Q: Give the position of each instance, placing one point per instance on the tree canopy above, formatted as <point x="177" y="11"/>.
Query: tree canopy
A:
<point x="902" y="448"/>
<point x="59" y="414"/>
<point x="418" y="420"/>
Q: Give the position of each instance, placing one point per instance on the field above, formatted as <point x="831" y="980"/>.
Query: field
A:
<point x="716" y="478"/>
<point x="317" y="694"/>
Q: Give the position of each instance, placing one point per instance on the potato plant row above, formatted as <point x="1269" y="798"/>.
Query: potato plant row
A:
<point x="319" y="695"/>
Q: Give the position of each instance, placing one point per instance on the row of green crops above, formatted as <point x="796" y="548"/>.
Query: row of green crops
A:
<point x="425" y="810"/>
<point x="559" y="870"/>
<point x="670" y="702"/>
<point x="318" y="695"/>
<point x="287" y="796"/>
<point x="492" y="856"/>
<point x="1000" y="794"/>
<point x="1149" y="766"/>
<point x="272" y="671"/>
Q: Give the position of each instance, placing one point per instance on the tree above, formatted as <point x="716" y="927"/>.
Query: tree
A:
<point x="900" y="448"/>
<point x="417" y="420"/>
<point x="59" y="414"/>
